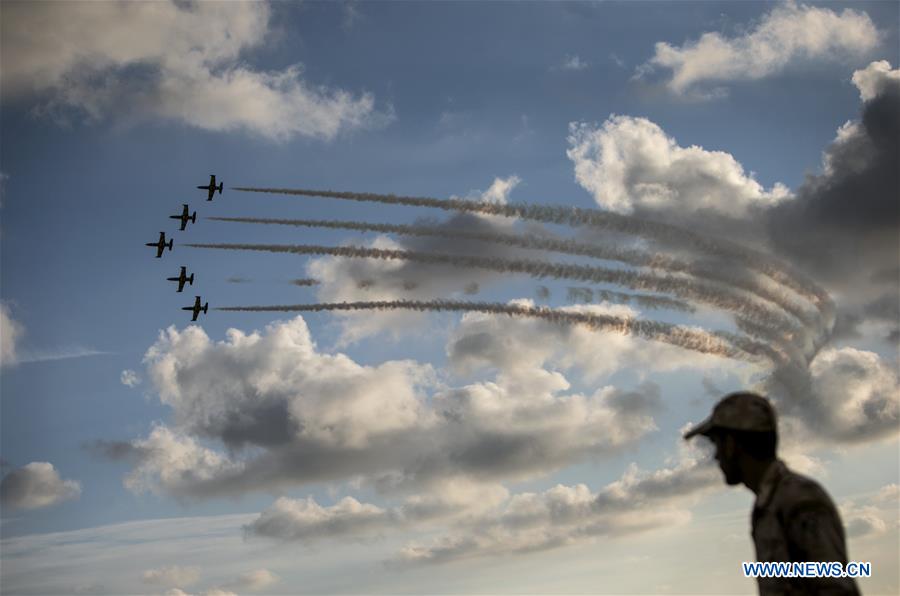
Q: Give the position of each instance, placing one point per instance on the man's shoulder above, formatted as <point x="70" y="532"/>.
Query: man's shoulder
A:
<point x="796" y="492"/>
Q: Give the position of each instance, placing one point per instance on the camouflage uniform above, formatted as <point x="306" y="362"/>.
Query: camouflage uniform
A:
<point x="793" y="519"/>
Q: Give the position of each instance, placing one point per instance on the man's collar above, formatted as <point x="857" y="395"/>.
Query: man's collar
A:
<point x="770" y="479"/>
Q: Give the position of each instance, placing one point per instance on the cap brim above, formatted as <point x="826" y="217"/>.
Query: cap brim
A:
<point x="701" y="429"/>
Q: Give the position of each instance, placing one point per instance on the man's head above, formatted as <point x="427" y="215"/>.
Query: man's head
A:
<point x="743" y="428"/>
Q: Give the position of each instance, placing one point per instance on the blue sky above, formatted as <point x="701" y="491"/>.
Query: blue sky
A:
<point x="733" y="120"/>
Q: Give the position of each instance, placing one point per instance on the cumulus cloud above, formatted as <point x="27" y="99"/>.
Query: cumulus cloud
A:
<point x="11" y="332"/>
<point x="876" y="79"/>
<point x="306" y="521"/>
<point x="871" y="516"/>
<point x="857" y="395"/>
<point x="129" y="378"/>
<point x="36" y="485"/>
<point x="630" y="165"/>
<point x="486" y="520"/>
<point x="567" y="515"/>
<point x="788" y="34"/>
<point x="168" y="60"/>
<point x="173" y="576"/>
<point x="289" y="414"/>
<point x="296" y="519"/>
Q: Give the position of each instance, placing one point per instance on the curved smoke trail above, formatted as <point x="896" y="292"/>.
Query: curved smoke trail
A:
<point x="648" y="301"/>
<point x="719" y="344"/>
<point x="576" y="216"/>
<point x="762" y="318"/>
<point x="565" y="246"/>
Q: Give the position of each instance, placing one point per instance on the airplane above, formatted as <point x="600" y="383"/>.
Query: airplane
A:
<point x="211" y="187"/>
<point x="197" y="308"/>
<point x="184" y="217"/>
<point x="182" y="279"/>
<point x="161" y="244"/>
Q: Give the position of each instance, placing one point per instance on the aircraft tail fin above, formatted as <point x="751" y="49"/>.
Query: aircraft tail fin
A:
<point x="205" y="308"/>
<point x="191" y="279"/>
<point x="171" y="242"/>
<point x="194" y="217"/>
<point x="221" y="184"/>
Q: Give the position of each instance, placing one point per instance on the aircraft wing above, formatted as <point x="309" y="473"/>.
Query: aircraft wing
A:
<point x="181" y="282"/>
<point x="159" y="249"/>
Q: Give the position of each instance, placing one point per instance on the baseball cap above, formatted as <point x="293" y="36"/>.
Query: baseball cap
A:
<point x="738" y="411"/>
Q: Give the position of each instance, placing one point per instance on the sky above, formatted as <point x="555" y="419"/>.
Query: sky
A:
<point x="712" y="192"/>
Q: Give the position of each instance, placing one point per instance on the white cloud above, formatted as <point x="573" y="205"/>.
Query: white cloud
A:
<point x="175" y="463"/>
<point x="171" y="61"/>
<point x="889" y="494"/>
<point x="566" y="515"/>
<point x="306" y="521"/>
<point x="858" y="395"/>
<point x="631" y="164"/>
<point x="172" y="576"/>
<point x="253" y="581"/>
<point x="875" y="78"/>
<point x="36" y="485"/>
<point x="129" y="378"/>
<point x="788" y="34"/>
<point x="290" y="415"/>
<point x="574" y="62"/>
<point x="499" y="190"/>
<point x="11" y="332"/>
<point x="871" y="516"/>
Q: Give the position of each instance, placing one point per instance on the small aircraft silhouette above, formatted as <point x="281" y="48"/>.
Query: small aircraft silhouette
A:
<point x="197" y="308"/>
<point x="161" y="244"/>
<point x="185" y="217"/>
<point x="211" y="187"/>
<point x="182" y="279"/>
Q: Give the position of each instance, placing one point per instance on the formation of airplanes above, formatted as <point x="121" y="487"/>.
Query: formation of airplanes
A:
<point x="186" y="216"/>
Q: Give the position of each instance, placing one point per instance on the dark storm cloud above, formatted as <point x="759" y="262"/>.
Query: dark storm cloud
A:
<point x="843" y="223"/>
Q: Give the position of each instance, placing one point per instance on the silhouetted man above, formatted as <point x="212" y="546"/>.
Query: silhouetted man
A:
<point x="793" y="519"/>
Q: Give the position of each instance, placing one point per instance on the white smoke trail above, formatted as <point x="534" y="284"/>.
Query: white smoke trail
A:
<point x="565" y="246"/>
<point x="648" y="301"/>
<point x="575" y="216"/>
<point x="719" y="344"/>
<point x="723" y="298"/>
